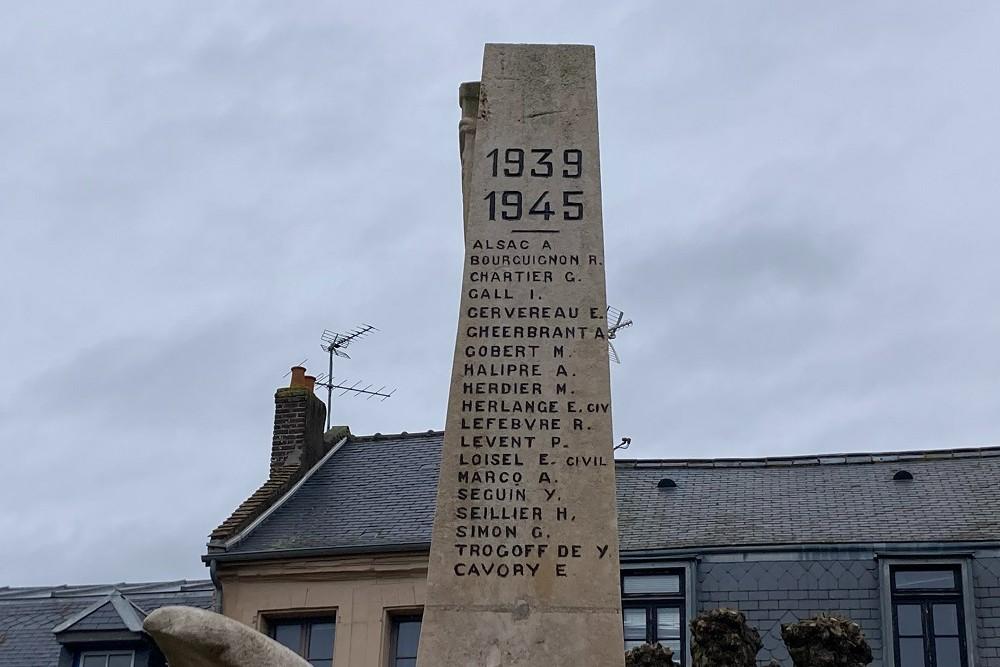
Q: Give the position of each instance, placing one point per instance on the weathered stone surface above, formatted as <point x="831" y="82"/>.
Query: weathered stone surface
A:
<point x="468" y="100"/>
<point x="524" y="563"/>
<point x="650" y="655"/>
<point x="826" y="641"/>
<point x="722" y="638"/>
<point x="192" y="637"/>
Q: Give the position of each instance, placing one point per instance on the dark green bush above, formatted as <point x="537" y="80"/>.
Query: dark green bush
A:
<point x="649" y="655"/>
<point x="722" y="638"/>
<point x="826" y="641"/>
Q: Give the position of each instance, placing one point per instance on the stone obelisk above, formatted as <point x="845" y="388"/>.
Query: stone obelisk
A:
<point x="524" y="562"/>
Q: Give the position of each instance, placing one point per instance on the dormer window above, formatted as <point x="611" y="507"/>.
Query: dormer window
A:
<point x="106" y="659"/>
<point x="104" y="634"/>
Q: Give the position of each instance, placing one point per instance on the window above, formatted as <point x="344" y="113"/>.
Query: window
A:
<point x="928" y="617"/>
<point x="106" y="659"/>
<point x="312" y="638"/>
<point x="404" y="641"/>
<point x="653" y="610"/>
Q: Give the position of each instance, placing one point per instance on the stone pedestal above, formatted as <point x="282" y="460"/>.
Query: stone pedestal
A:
<point x="524" y="563"/>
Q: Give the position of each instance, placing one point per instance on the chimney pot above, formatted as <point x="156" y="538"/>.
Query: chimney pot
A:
<point x="298" y="377"/>
<point x="310" y="383"/>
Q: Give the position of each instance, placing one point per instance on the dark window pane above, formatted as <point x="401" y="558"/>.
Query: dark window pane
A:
<point x="406" y="662"/>
<point x="95" y="660"/>
<point x="407" y="638"/>
<point x="908" y="618"/>
<point x="947" y="651"/>
<point x="916" y="579"/>
<point x="321" y="663"/>
<point x="290" y="635"/>
<point x="321" y="641"/>
<point x="946" y="619"/>
<point x="651" y="583"/>
<point x="122" y="660"/>
<point x="911" y="653"/>
<point x="635" y="625"/>
<point x="668" y="623"/>
<point x="629" y="645"/>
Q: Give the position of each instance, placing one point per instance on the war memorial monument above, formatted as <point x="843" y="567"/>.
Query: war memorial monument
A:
<point x="523" y="567"/>
<point x="524" y="559"/>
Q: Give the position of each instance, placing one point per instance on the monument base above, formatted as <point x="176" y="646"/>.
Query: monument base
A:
<point x="558" y="638"/>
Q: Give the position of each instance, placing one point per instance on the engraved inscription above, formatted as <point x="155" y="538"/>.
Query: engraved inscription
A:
<point x="495" y="504"/>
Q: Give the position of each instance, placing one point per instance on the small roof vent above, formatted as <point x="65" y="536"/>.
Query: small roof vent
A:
<point x="666" y="483"/>
<point x="903" y="476"/>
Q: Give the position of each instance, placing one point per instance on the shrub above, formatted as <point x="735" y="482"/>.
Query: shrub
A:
<point x="649" y="655"/>
<point x="722" y="638"/>
<point x="826" y="641"/>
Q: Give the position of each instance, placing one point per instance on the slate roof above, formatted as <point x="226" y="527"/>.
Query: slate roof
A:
<point x="114" y="612"/>
<point x="29" y="615"/>
<point x="373" y="492"/>
<point x="378" y="493"/>
<point x="849" y="499"/>
<point x="105" y="618"/>
<point x="279" y="481"/>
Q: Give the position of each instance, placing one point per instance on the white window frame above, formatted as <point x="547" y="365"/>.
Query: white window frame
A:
<point x="887" y="563"/>
<point x="690" y="589"/>
<point x="106" y="653"/>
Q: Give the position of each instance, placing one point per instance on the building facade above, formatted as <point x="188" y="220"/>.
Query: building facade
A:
<point x="330" y="554"/>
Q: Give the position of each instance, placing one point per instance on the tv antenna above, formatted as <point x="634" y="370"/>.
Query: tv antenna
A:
<point x="616" y="321"/>
<point x="334" y="344"/>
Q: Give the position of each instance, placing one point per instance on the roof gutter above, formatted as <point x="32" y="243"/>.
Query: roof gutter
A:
<point x="880" y="549"/>
<point x="213" y="573"/>
<point x="315" y="552"/>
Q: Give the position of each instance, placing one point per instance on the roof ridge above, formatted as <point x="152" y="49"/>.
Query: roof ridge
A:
<point x="127" y="611"/>
<point x="394" y="436"/>
<point x="102" y="590"/>
<point x="846" y="458"/>
<point x="835" y="458"/>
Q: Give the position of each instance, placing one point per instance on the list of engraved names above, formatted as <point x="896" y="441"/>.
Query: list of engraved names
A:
<point x="530" y="313"/>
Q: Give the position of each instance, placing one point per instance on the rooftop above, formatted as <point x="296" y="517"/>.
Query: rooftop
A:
<point x="29" y="617"/>
<point x="377" y="493"/>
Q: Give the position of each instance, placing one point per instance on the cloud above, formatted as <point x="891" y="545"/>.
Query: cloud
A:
<point x="799" y="205"/>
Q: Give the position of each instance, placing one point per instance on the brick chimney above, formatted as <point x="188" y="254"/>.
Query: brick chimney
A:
<point x="299" y="421"/>
<point x="298" y="444"/>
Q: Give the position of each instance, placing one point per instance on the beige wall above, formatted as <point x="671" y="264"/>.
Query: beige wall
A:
<point x="361" y="591"/>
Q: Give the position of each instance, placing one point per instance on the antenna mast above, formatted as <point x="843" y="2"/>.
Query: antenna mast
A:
<point x="616" y="322"/>
<point x="334" y="343"/>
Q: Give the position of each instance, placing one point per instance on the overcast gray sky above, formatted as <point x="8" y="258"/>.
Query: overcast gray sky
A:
<point x="800" y="208"/>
